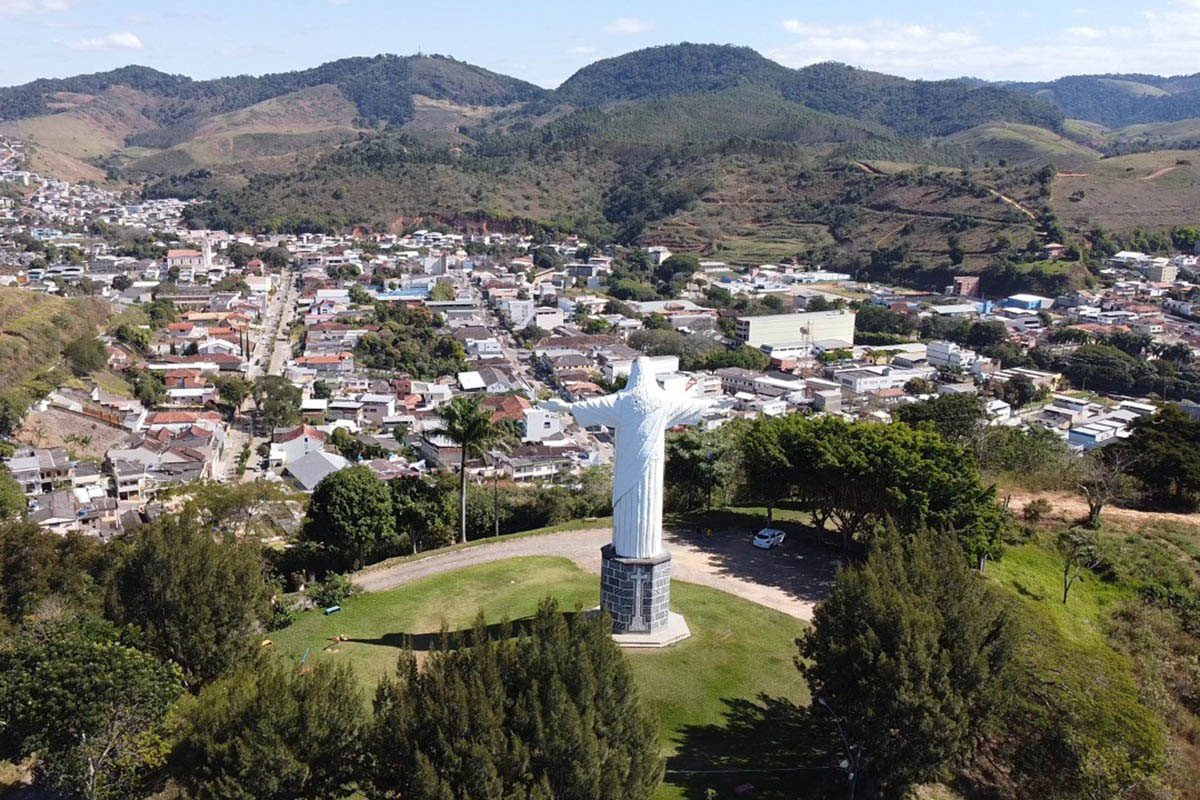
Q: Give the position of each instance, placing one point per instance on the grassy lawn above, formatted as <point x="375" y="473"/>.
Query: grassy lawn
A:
<point x="1070" y="646"/>
<point x="572" y="525"/>
<point x="1034" y="573"/>
<point x="738" y="649"/>
<point x="113" y="383"/>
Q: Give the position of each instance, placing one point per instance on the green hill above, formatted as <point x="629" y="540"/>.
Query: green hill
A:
<point x="381" y="87"/>
<point x="1119" y="100"/>
<point x="670" y="70"/>
<point x="914" y="108"/>
<point x="706" y="148"/>
<point x="909" y="108"/>
<point x="1023" y="145"/>
<point x="34" y="328"/>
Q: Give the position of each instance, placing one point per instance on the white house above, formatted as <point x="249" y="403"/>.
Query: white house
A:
<point x="294" y="444"/>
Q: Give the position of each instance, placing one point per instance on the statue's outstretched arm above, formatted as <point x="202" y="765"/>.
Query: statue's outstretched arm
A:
<point x="596" y="411"/>
<point x="687" y="410"/>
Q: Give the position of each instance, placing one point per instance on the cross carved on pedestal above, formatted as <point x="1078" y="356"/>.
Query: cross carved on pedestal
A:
<point x="638" y="623"/>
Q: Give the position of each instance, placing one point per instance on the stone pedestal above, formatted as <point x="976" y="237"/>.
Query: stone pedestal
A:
<point x="636" y="592"/>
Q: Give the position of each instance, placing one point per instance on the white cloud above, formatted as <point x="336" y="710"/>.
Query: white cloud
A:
<point x="123" y="40"/>
<point x="20" y="8"/>
<point x="627" y="25"/>
<point x="1165" y="40"/>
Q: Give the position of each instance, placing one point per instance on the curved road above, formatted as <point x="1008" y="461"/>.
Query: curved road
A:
<point x="791" y="578"/>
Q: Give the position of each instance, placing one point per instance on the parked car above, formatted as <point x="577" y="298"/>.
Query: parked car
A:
<point x="768" y="538"/>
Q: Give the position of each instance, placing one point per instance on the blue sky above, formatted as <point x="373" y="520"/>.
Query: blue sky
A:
<point x="544" y="42"/>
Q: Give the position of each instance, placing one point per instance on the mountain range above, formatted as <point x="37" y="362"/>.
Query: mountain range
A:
<point x="712" y="148"/>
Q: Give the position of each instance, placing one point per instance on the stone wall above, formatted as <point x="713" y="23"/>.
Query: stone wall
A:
<point x="636" y="592"/>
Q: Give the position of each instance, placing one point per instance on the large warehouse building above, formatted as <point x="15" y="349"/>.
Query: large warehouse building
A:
<point x="807" y="328"/>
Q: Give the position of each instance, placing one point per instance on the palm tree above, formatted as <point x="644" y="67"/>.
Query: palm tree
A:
<point x="466" y="423"/>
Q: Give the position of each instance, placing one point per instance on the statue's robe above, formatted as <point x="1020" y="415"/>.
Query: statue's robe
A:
<point x="640" y="415"/>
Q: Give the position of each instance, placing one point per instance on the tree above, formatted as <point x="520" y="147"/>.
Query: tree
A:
<point x="1135" y="344"/>
<point x="350" y="516"/>
<point x="442" y="291"/>
<point x="121" y="282"/>
<point x="87" y="705"/>
<point x="13" y="407"/>
<point x="1035" y="457"/>
<point x="135" y="336"/>
<point x="553" y="712"/>
<point x="197" y="599"/>
<point x="276" y="258"/>
<point x="861" y="476"/>
<point x="233" y="391"/>
<point x="12" y="497"/>
<point x="321" y="390"/>
<point x="956" y="417"/>
<point x="656" y="322"/>
<point x="421" y="514"/>
<point x="679" y="265"/>
<point x="767" y="470"/>
<point x="1103" y="368"/>
<point x="241" y="254"/>
<point x="1020" y="391"/>
<point x="1102" y="478"/>
<point x="148" y="386"/>
<point x="920" y="386"/>
<point x="85" y="355"/>
<point x="871" y="318"/>
<point x="360" y="296"/>
<point x="983" y="335"/>
<point x="36" y="565"/>
<point x="699" y="463"/>
<point x="1010" y="355"/>
<point x="955" y="249"/>
<point x="1164" y="455"/>
<point x="278" y="401"/>
<point x="1080" y="549"/>
<point x="271" y="733"/>
<point x="160" y="312"/>
<point x="822" y="303"/>
<point x="912" y="640"/>
<point x="466" y="423"/>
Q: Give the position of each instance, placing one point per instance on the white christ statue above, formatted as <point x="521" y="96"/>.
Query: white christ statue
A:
<point x="640" y="414"/>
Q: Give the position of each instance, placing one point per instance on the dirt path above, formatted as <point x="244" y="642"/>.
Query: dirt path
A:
<point x="791" y="579"/>
<point x="1013" y="203"/>
<point x="1158" y="173"/>
<point x="1069" y="507"/>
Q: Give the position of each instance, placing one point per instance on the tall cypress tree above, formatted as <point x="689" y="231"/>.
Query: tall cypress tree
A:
<point x="550" y="713"/>
<point x="910" y="655"/>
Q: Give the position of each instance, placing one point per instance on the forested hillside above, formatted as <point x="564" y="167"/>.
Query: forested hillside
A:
<point x="909" y="108"/>
<point x="710" y="149"/>
<point x="382" y="88"/>
<point x="1119" y="100"/>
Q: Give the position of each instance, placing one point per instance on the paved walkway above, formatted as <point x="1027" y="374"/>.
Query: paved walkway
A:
<point x="791" y="578"/>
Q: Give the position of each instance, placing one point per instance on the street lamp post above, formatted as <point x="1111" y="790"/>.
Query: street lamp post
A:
<point x="849" y="764"/>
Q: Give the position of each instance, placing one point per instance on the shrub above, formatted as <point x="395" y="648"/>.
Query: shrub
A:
<point x="1035" y="510"/>
<point x="334" y="589"/>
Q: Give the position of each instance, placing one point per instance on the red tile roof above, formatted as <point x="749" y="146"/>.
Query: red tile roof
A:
<point x="298" y="431"/>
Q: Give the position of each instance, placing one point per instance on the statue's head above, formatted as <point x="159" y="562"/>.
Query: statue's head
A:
<point x="642" y="373"/>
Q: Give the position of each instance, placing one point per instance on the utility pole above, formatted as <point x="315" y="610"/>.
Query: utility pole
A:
<point x="850" y="764"/>
<point x="496" y="497"/>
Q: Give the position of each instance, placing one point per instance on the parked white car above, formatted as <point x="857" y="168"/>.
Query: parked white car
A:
<point x="768" y="538"/>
